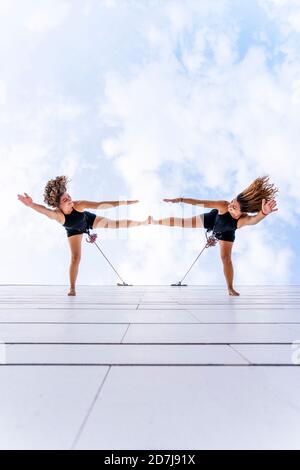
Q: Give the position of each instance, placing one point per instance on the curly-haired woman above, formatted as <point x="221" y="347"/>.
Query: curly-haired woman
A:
<point x="76" y="220"/>
<point x="226" y="217"/>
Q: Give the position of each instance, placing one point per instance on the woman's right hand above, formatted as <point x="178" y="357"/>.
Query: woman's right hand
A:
<point x="176" y="200"/>
<point x="27" y="200"/>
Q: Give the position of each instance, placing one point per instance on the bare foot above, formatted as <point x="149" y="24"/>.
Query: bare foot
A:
<point x="72" y="291"/>
<point x="233" y="292"/>
<point x="149" y="220"/>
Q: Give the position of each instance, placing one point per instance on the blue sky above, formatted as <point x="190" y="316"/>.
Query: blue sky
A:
<point x="149" y="99"/>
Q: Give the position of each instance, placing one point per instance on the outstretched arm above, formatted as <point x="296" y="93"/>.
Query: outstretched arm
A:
<point x="27" y="201"/>
<point x="266" y="209"/>
<point x="81" y="205"/>
<point x="200" y="202"/>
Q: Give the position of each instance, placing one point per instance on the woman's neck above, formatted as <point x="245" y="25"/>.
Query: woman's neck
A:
<point x="68" y="213"/>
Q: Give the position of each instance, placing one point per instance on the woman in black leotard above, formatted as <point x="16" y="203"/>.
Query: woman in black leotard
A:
<point x="226" y="217"/>
<point x="75" y="219"/>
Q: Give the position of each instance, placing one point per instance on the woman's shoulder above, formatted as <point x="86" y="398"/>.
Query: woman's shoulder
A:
<point x="77" y="205"/>
<point x="241" y="220"/>
<point x="60" y="216"/>
<point x="222" y="208"/>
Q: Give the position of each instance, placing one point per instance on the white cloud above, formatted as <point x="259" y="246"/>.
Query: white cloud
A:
<point x="184" y="114"/>
<point x="109" y="3"/>
<point x="229" y="124"/>
<point x="3" y="92"/>
<point x="286" y="13"/>
<point x="48" y="16"/>
<point x="27" y="162"/>
<point x="6" y="7"/>
<point x="63" y="108"/>
<point x="90" y="5"/>
<point x="260" y="260"/>
<point x="87" y="8"/>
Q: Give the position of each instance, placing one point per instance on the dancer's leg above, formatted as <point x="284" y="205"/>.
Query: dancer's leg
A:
<point x="75" y="246"/>
<point x="191" y="222"/>
<point x="103" y="222"/>
<point x="225" y="252"/>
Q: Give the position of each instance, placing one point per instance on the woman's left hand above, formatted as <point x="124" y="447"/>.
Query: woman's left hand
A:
<point x="268" y="207"/>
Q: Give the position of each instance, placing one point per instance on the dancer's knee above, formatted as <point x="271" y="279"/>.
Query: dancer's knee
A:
<point x="226" y="258"/>
<point x="75" y="259"/>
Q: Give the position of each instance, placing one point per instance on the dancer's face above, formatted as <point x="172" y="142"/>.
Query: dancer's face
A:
<point x="234" y="209"/>
<point x="66" y="203"/>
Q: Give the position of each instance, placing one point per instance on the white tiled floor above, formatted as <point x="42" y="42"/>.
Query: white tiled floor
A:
<point x="149" y="367"/>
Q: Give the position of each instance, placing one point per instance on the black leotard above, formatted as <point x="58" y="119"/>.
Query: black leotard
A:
<point x="222" y="225"/>
<point x="78" y="222"/>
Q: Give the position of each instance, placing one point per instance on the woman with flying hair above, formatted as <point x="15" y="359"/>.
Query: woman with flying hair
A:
<point x="226" y="217"/>
<point x="75" y="219"/>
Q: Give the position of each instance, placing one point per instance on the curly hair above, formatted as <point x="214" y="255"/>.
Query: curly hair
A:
<point x="251" y="198"/>
<point x="54" y="189"/>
